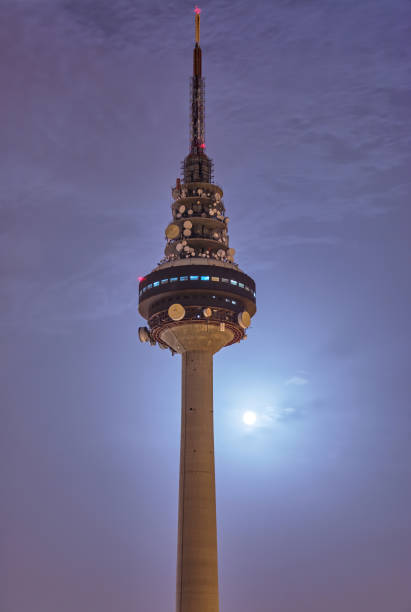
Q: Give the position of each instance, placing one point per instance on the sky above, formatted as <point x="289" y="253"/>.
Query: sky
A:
<point x="308" y="122"/>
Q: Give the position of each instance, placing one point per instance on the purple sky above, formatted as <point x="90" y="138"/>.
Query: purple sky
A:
<point x="308" y="122"/>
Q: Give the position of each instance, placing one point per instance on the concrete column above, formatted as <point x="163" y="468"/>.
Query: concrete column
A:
<point x="197" y="572"/>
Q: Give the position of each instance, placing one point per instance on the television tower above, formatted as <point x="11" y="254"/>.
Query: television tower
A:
<point x="197" y="301"/>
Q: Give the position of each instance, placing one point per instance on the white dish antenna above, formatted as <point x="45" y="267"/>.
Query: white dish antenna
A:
<point x="244" y="319"/>
<point x="172" y="231"/>
<point x="176" y="312"/>
<point x="143" y="334"/>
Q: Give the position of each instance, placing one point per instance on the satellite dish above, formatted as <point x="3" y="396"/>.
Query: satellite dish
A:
<point x="172" y="231"/>
<point x="215" y="235"/>
<point x="199" y="191"/>
<point x="217" y="196"/>
<point x="190" y="212"/>
<point x="143" y="334"/>
<point x="178" y="215"/>
<point x="179" y="247"/>
<point x="207" y="312"/>
<point x="226" y="220"/>
<point x="187" y="232"/>
<point x="181" y="208"/>
<point x="184" y="242"/>
<point x="244" y="319"/>
<point x="212" y="211"/>
<point x="176" y="312"/>
<point x="186" y="248"/>
<point x="187" y="224"/>
<point x="231" y="251"/>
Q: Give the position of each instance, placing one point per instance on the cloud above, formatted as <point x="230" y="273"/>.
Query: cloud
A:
<point x="270" y="414"/>
<point x="297" y="381"/>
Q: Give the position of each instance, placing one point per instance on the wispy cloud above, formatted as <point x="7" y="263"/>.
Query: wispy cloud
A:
<point x="298" y="381"/>
<point x="271" y="414"/>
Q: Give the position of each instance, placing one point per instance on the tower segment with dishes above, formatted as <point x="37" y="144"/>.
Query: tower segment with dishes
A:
<point x="196" y="301"/>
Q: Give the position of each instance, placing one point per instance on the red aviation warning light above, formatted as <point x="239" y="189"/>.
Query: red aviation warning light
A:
<point x="197" y="18"/>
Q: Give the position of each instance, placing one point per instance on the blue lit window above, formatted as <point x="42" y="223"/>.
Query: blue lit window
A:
<point x="205" y="278"/>
<point x="182" y="278"/>
<point x="149" y="286"/>
<point x="174" y="279"/>
<point x="164" y="281"/>
<point x="156" y="284"/>
<point x="143" y="289"/>
<point x="233" y="282"/>
<point x="241" y="285"/>
<point x="227" y="300"/>
<point x="254" y="293"/>
<point x="233" y="302"/>
<point x="193" y="277"/>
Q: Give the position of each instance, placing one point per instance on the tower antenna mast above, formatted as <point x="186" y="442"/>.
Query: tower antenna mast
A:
<point x="197" y="21"/>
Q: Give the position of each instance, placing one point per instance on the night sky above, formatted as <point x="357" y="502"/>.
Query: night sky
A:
<point x="308" y="108"/>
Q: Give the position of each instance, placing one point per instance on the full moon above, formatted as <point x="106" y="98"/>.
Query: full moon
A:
<point x="249" y="417"/>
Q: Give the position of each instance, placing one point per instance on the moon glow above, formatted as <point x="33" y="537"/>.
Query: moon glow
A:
<point x="249" y="417"/>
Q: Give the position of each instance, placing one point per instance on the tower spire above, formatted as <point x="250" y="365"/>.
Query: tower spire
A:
<point x="197" y="167"/>
<point x="197" y="144"/>
<point x="197" y="20"/>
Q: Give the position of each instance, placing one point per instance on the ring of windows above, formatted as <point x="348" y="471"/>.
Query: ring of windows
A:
<point x="195" y="277"/>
